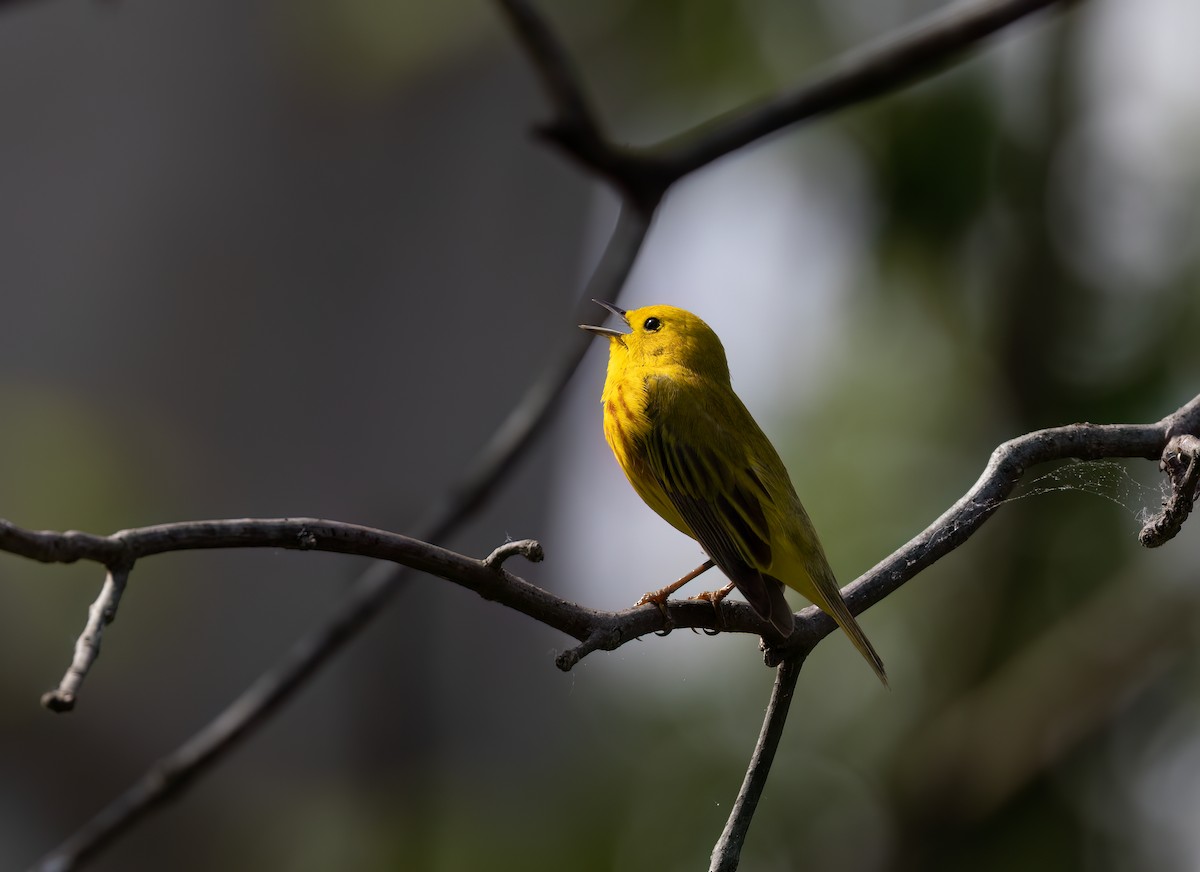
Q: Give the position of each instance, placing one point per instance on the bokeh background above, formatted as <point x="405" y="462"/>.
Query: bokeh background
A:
<point x="299" y="258"/>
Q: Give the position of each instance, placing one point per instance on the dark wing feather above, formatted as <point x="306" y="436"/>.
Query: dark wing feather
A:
<point x="725" y="515"/>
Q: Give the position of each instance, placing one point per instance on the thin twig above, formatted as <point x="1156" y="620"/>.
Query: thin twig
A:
<point x="100" y="614"/>
<point x="728" y="850"/>
<point x="527" y="548"/>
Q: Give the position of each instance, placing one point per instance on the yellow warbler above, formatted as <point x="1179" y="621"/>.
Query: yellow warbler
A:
<point x="692" y="451"/>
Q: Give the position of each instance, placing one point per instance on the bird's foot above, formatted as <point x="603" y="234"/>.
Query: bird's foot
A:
<point x="715" y="597"/>
<point x="659" y="599"/>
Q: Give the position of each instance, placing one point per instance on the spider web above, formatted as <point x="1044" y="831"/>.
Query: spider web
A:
<point x="1107" y="479"/>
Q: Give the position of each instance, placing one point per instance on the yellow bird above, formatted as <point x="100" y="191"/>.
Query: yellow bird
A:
<point x="692" y="451"/>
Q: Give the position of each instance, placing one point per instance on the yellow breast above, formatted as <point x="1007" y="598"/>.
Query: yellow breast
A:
<point x="626" y="425"/>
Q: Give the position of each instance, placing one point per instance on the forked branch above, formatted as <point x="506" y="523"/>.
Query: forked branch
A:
<point x="643" y="174"/>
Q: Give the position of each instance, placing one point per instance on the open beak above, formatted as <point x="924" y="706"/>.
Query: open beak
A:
<point x="607" y="331"/>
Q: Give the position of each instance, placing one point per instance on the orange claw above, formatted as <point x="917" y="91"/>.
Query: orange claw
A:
<point x="715" y="597"/>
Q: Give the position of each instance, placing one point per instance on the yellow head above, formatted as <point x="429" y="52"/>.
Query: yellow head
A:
<point x="664" y="337"/>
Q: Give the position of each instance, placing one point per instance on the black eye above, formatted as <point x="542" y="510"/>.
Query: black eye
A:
<point x="651" y="325"/>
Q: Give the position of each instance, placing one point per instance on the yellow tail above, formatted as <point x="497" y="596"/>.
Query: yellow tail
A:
<point x="836" y="608"/>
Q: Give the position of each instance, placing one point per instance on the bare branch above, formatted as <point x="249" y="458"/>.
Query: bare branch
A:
<point x="1005" y="468"/>
<point x="643" y="175"/>
<point x="485" y="577"/>
<point x="893" y="63"/>
<point x="100" y="614"/>
<point x="728" y="850"/>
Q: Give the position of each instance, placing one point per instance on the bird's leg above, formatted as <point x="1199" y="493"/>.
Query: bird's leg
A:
<point x="659" y="597"/>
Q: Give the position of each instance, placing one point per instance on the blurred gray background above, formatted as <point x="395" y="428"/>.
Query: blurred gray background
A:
<point x="268" y="259"/>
